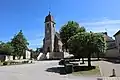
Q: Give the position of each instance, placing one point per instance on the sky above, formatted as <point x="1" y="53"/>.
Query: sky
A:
<point x="29" y="16"/>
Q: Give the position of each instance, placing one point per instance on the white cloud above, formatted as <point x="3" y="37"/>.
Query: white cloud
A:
<point x="103" y="22"/>
<point x="111" y="26"/>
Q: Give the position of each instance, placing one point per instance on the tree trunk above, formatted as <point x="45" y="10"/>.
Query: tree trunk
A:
<point x="66" y="49"/>
<point x="89" y="60"/>
<point x="98" y="56"/>
<point x="13" y="57"/>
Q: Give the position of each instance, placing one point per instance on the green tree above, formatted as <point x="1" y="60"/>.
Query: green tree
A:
<point x="101" y="45"/>
<point x="68" y="30"/>
<point x="37" y="50"/>
<point x="6" y="48"/>
<point x="85" y="44"/>
<point x="34" y="54"/>
<point x="19" y="44"/>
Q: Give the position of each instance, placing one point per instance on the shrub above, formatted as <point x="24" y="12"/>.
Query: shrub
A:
<point x="24" y="62"/>
<point x="5" y="63"/>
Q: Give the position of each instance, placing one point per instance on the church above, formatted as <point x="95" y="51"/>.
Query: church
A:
<point x="52" y="41"/>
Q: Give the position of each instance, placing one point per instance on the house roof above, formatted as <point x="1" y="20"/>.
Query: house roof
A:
<point x="108" y="38"/>
<point x="117" y="33"/>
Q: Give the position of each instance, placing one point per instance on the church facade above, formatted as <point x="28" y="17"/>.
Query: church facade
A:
<point x="52" y="41"/>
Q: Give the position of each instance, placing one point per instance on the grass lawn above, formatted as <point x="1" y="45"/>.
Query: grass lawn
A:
<point x="92" y="72"/>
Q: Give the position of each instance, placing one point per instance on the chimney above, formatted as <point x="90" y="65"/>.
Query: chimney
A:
<point x="105" y="33"/>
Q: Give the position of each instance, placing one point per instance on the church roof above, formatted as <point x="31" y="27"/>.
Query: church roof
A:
<point x="49" y="17"/>
<point x="57" y="35"/>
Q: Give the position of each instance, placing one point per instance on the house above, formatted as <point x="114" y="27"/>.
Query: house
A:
<point x="111" y="51"/>
<point x="117" y="40"/>
<point x="110" y="42"/>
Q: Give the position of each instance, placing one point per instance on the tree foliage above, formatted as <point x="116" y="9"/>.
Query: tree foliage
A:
<point x="68" y="30"/>
<point x="101" y="45"/>
<point x="85" y="44"/>
<point x="6" y="48"/>
<point x="19" y="44"/>
<point x="34" y="54"/>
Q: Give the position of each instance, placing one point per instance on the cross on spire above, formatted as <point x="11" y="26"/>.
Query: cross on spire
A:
<point x="49" y="12"/>
<point x="49" y="6"/>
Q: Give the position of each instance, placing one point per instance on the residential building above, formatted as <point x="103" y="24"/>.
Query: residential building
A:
<point x="117" y="40"/>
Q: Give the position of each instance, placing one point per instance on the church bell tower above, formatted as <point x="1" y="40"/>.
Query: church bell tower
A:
<point x="49" y="33"/>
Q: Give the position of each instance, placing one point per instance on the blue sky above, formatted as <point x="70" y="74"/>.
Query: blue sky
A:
<point x="28" y="15"/>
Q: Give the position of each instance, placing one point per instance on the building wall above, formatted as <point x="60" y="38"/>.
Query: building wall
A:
<point x="60" y="45"/>
<point x="28" y="54"/>
<point x="117" y="41"/>
<point x="112" y="53"/>
<point x="111" y="45"/>
<point x="56" y="55"/>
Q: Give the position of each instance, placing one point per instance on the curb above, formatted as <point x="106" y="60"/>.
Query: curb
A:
<point x="101" y="71"/>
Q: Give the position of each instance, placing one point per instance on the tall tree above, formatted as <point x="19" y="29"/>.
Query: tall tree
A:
<point x="68" y="30"/>
<point x="19" y="44"/>
<point x="85" y="44"/>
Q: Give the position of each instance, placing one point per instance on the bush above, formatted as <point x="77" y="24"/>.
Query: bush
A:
<point x="24" y="62"/>
<point x="5" y="63"/>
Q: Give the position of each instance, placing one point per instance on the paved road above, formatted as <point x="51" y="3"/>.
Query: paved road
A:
<point x="107" y="67"/>
<point x="38" y="71"/>
<point x="35" y="71"/>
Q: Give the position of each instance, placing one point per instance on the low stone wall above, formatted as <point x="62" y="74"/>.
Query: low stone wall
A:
<point x="56" y="55"/>
<point x="41" y="56"/>
<point x="16" y="58"/>
<point x="8" y="58"/>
